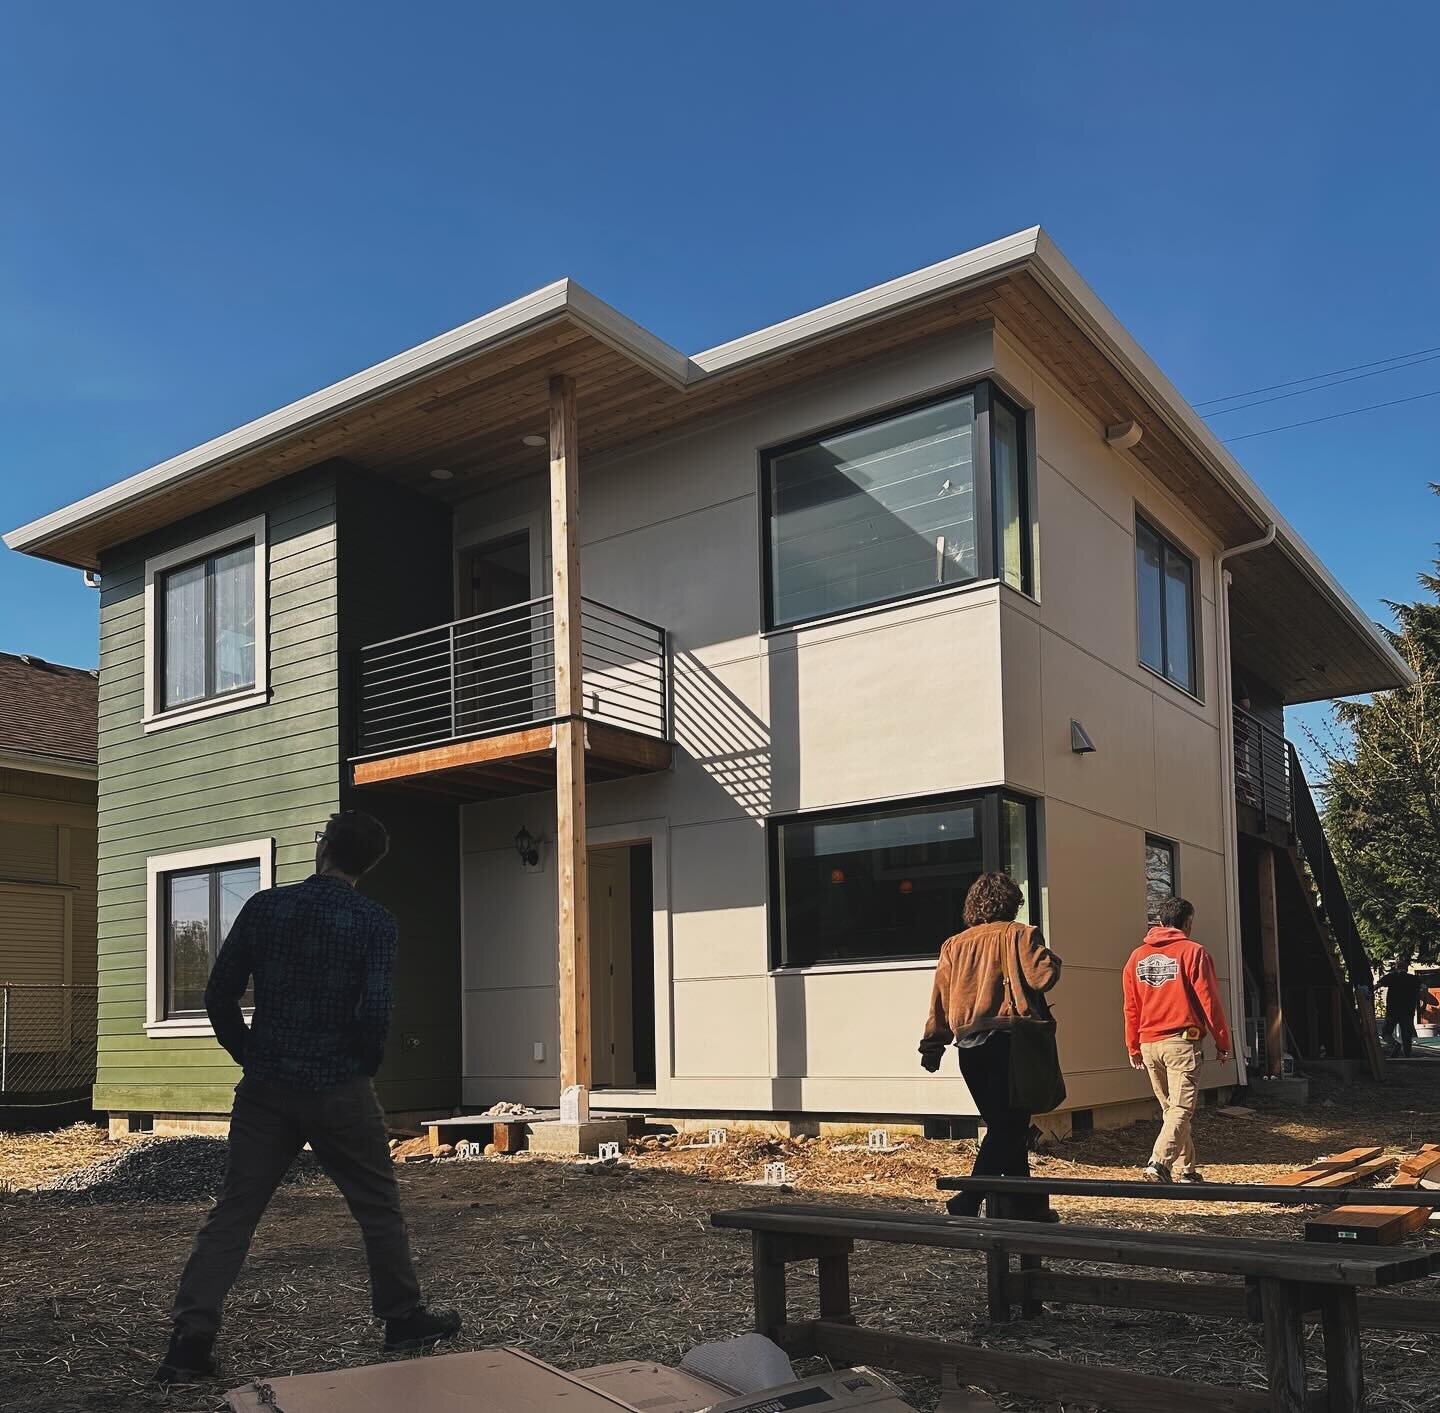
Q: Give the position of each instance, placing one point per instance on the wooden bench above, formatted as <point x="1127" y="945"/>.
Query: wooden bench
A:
<point x="1289" y="1280"/>
<point x="508" y="1132"/>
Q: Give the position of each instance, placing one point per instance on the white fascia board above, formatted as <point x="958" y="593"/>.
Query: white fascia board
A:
<point x="562" y="298"/>
<point x="933" y="282"/>
<point x="1064" y="282"/>
<point x="40" y="764"/>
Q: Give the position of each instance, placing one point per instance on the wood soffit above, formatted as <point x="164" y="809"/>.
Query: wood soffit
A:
<point x="470" y="417"/>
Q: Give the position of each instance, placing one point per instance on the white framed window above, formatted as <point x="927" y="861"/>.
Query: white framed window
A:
<point x="192" y="898"/>
<point x="206" y="646"/>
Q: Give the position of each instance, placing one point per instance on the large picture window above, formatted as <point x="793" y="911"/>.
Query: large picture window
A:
<point x="1165" y="596"/>
<point x="906" y="504"/>
<point x="195" y="898"/>
<point x="205" y="627"/>
<point x="889" y="884"/>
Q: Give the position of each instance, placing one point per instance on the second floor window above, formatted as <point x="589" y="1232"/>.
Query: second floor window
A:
<point x="207" y="616"/>
<point x="1165" y="594"/>
<point x="909" y="503"/>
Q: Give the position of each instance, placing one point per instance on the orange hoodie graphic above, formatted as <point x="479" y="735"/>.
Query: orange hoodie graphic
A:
<point x="1171" y="986"/>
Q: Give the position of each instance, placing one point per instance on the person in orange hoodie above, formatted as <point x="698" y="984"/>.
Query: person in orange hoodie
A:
<point x="1172" y="1001"/>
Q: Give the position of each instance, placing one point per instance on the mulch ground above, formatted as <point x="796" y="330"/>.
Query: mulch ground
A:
<point x="581" y="1270"/>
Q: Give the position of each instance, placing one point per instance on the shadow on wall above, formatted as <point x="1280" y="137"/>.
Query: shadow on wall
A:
<point x="724" y="737"/>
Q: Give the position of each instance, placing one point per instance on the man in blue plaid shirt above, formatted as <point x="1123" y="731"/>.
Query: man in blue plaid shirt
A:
<point x="321" y="956"/>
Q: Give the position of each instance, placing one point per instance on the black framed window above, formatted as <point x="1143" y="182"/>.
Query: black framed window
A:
<point x="889" y="883"/>
<point x="915" y="501"/>
<point x="1162" y="874"/>
<point x="207" y="618"/>
<point x="1165" y="597"/>
<point x="200" y="905"/>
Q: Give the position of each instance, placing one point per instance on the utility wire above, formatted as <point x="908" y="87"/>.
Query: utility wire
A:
<point x="1314" y="377"/>
<point x="1301" y="392"/>
<point x="1354" y="411"/>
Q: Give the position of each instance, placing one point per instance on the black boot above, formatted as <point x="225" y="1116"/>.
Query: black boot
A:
<point x="421" y="1328"/>
<point x="189" y="1357"/>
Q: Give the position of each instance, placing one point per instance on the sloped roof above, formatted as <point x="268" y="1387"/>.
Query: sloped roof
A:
<point x="48" y="711"/>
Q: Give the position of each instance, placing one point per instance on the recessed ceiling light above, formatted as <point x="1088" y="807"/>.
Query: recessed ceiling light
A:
<point x="441" y="474"/>
<point x="533" y="440"/>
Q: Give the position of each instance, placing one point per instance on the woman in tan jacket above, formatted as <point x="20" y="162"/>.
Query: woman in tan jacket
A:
<point x="989" y="978"/>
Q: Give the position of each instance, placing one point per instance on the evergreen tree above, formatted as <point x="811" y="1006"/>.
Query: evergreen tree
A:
<point x="1382" y="795"/>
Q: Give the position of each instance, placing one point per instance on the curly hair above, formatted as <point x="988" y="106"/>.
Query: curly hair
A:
<point x="993" y="897"/>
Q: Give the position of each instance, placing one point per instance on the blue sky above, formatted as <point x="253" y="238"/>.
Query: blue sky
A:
<point x="212" y="210"/>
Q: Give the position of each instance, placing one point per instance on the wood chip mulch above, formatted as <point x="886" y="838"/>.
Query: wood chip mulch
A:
<point x="582" y="1268"/>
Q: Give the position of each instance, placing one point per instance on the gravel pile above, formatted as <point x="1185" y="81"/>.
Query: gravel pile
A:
<point x="188" y="1169"/>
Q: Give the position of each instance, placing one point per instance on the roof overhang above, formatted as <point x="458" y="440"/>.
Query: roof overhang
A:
<point x="463" y="399"/>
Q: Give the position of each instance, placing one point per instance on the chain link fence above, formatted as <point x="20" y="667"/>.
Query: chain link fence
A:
<point x="47" y="1043"/>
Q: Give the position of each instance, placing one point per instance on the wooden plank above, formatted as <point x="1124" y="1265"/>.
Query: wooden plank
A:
<point x="1347" y="1177"/>
<point x="1281" y="1309"/>
<point x="769" y="1276"/>
<point x="627" y="748"/>
<point x="1118" y="1390"/>
<point x="1270" y="956"/>
<point x="1031" y="1306"/>
<point x="1293" y="1195"/>
<point x="1367" y="1226"/>
<point x="1182" y="1251"/>
<point x="512" y="745"/>
<point x="572" y="863"/>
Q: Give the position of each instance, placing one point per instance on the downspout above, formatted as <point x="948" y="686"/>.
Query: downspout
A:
<point x="1228" y="815"/>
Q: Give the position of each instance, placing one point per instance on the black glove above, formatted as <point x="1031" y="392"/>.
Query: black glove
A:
<point x="931" y="1059"/>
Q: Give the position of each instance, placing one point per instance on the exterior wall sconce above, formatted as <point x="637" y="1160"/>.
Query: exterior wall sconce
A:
<point x="837" y="875"/>
<point x="528" y="848"/>
<point x="1080" y="741"/>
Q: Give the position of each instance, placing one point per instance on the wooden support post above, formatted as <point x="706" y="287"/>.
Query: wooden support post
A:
<point x="997" y="1285"/>
<point x="1030" y="1304"/>
<point x="1281" y="1307"/>
<point x="1337" y="1022"/>
<point x="1344" y="1364"/>
<point x="769" y="1264"/>
<point x="573" y="910"/>
<point x="1270" y="955"/>
<point x="835" y="1288"/>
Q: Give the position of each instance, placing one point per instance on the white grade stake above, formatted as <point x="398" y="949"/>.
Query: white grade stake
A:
<point x="776" y="1175"/>
<point x="877" y="1138"/>
<point x="717" y="1138"/>
<point x="609" y="1152"/>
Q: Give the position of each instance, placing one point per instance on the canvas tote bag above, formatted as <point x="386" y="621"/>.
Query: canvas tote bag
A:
<point x="1037" y="1085"/>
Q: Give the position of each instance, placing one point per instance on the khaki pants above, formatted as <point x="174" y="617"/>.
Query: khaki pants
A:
<point x="1173" y="1065"/>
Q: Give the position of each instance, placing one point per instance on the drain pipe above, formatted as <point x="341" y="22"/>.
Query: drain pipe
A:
<point x="1228" y="815"/>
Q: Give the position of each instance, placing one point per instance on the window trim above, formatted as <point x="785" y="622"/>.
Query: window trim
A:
<point x="1168" y="541"/>
<point x="156" y="717"/>
<point x="1164" y="842"/>
<point x="989" y="807"/>
<point x="987" y="544"/>
<point x="157" y="868"/>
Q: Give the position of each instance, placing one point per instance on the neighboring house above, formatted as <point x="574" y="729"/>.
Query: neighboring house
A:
<point x="47" y="879"/>
<point x="859" y="591"/>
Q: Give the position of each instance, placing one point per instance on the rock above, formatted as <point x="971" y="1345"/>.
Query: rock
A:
<point x="445" y="1150"/>
<point x="491" y="1150"/>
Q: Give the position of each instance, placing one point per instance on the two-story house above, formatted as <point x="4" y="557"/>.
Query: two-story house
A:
<point x="695" y="690"/>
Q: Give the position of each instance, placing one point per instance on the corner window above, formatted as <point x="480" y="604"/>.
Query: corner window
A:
<point x="890" y="884"/>
<point x="907" y="504"/>
<point x="205" y="627"/>
<point x="1165" y="596"/>
<point x="195" y="898"/>
<point x="1162" y="878"/>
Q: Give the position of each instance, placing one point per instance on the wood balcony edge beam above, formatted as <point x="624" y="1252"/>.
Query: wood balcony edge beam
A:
<point x="512" y="745"/>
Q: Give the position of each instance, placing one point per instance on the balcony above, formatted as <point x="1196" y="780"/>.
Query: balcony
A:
<point x="468" y="708"/>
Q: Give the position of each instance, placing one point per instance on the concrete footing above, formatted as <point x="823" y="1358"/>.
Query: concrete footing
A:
<point x="572" y="1139"/>
<point x="1293" y="1091"/>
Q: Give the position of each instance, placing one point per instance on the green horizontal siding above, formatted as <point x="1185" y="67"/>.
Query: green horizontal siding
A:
<point x="270" y="771"/>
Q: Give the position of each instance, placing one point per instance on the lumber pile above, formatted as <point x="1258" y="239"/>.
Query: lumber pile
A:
<point x="1379" y="1226"/>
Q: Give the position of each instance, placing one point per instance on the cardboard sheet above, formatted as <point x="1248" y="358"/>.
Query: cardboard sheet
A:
<point x="829" y="1393"/>
<point x="654" y="1388"/>
<point x="486" y="1381"/>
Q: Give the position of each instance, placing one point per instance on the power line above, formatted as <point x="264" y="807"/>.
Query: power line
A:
<point x="1354" y="411"/>
<point x="1280" y="397"/>
<point x="1314" y="377"/>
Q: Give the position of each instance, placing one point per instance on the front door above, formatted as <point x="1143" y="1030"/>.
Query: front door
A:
<point x="496" y="641"/>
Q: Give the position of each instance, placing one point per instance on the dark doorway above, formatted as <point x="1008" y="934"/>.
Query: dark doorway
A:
<point x="497" y="639"/>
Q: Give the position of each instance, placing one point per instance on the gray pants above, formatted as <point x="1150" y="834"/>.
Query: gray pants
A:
<point x="268" y="1127"/>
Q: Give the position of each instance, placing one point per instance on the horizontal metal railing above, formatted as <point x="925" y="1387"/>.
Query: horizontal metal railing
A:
<point x="1262" y="768"/>
<point x="47" y="1042"/>
<point x="495" y="672"/>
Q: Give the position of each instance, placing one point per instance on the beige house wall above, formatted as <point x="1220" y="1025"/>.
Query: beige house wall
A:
<point x="967" y="689"/>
